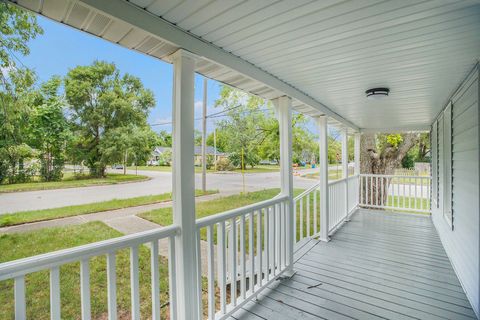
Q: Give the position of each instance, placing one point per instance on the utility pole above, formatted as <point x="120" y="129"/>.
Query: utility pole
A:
<point x="204" y="136"/>
<point x="215" y="147"/>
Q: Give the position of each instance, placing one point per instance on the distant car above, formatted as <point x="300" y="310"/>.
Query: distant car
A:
<point x="117" y="166"/>
<point x="268" y="162"/>
<point x="153" y="163"/>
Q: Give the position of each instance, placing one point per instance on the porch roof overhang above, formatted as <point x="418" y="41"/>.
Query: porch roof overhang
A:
<point x="323" y="54"/>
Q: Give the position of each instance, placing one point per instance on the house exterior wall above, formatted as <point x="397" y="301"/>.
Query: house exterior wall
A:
<point x="461" y="238"/>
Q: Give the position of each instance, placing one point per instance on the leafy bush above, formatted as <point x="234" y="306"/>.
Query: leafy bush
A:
<point x="224" y="164"/>
<point x="249" y="159"/>
<point x="408" y="161"/>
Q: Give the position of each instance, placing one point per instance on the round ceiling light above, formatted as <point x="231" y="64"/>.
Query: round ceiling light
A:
<point x="377" y="93"/>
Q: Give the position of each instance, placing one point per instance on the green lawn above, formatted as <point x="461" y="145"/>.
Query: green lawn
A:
<point x="163" y="216"/>
<point x="16" y="246"/>
<point x="55" y="213"/>
<point x="398" y="203"/>
<point x="256" y="169"/>
<point x="70" y="181"/>
<point x="332" y="175"/>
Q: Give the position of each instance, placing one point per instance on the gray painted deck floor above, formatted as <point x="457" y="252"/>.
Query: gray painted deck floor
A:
<point x="377" y="266"/>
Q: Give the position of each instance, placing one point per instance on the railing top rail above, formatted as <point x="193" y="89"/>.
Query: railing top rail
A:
<point x="44" y="261"/>
<point x="223" y="216"/>
<point x="307" y="191"/>
<point x="353" y="177"/>
<point x="393" y="176"/>
<point x="334" y="182"/>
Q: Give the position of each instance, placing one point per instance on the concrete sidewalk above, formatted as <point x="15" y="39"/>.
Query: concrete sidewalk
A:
<point x="113" y="218"/>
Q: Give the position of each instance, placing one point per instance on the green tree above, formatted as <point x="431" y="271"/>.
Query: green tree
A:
<point x="18" y="27"/>
<point x="164" y="139"/>
<point x="102" y="100"/>
<point x="239" y="134"/>
<point x="381" y="154"/>
<point x="49" y="130"/>
<point x="128" y="144"/>
<point x="16" y="100"/>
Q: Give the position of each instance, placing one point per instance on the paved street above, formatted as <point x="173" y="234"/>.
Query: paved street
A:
<point x="160" y="182"/>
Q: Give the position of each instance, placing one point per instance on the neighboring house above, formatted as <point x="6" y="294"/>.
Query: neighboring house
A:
<point x="160" y="154"/>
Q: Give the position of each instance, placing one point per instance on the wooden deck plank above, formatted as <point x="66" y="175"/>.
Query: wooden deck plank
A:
<point x="375" y="275"/>
<point x="377" y="266"/>
<point x="410" y="300"/>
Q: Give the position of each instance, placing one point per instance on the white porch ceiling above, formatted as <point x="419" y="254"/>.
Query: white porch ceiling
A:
<point x="324" y="54"/>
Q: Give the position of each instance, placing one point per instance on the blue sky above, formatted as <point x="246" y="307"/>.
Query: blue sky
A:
<point x="61" y="48"/>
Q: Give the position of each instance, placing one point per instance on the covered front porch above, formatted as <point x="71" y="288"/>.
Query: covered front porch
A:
<point x="320" y="254"/>
<point x="379" y="265"/>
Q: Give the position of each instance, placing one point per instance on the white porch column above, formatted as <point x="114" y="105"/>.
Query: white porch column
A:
<point x="284" y="111"/>
<point x="345" y="167"/>
<point x="184" y="184"/>
<point x="357" y="153"/>
<point x="323" y="165"/>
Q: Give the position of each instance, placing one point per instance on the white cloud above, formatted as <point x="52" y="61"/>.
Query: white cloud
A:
<point x="198" y="105"/>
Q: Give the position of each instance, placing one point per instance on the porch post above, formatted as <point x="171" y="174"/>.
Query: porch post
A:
<point x="357" y="153"/>
<point x="183" y="190"/>
<point x="284" y="111"/>
<point x="345" y="167"/>
<point x="323" y="165"/>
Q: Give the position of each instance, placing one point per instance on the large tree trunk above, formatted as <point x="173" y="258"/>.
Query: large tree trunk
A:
<point x="381" y="162"/>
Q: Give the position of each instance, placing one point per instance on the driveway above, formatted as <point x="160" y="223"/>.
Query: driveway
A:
<point x="160" y="182"/>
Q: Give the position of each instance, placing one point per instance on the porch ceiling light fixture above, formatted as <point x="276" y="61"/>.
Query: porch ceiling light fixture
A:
<point x="377" y="93"/>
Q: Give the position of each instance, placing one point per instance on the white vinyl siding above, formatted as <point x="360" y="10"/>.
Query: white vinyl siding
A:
<point x="447" y="164"/>
<point x="462" y="242"/>
<point x="434" y="142"/>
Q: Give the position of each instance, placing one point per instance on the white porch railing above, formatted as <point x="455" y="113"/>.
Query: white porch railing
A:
<point x="307" y="206"/>
<point x="405" y="193"/>
<point x="249" y="257"/>
<point x="19" y="269"/>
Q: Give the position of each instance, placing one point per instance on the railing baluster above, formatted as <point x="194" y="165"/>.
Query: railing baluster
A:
<point x="19" y="292"/>
<point x="259" y="252"/>
<point x="243" y="267"/>
<point x="416" y="196"/>
<point x="295" y="201"/>
<point x="315" y="227"/>
<point x="111" y="286"/>
<point x="211" y="273"/>
<point x="222" y="276"/>
<point x="55" y="293"/>
<point x="134" y="283"/>
<point x="301" y="218"/>
<point x="85" y="288"/>
<point x="308" y="216"/>
<point x="172" y="284"/>
<point x="284" y="233"/>
<point x="273" y="242"/>
<point x="422" y="207"/>
<point x="251" y="247"/>
<point x="233" y="250"/>
<point x="278" y="214"/>
<point x="198" y="246"/>
<point x="155" y="279"/>
<point x="267" y="243"/>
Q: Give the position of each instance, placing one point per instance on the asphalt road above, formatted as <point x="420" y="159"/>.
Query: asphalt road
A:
<point x="160" y="182"/>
